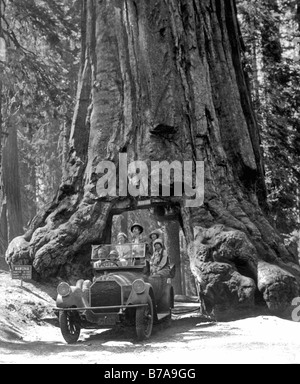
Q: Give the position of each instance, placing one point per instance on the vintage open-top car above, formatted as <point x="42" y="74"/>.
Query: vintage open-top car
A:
<point x="122" y="292"/>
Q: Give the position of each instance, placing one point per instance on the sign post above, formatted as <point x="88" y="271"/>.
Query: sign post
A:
<point x="21" y="272"/>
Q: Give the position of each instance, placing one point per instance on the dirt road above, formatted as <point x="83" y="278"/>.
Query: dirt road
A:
<point x="187" y="341"/>
<point x="27" y="338"/>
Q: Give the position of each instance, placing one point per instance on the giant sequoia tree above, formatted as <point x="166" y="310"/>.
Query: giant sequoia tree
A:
<point x="163" y="80"/>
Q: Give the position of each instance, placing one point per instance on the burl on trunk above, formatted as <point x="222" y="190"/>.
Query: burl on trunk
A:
<point x="163" y="81"/>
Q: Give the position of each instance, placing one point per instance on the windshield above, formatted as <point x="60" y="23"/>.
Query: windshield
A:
<point x="118" y="255"/>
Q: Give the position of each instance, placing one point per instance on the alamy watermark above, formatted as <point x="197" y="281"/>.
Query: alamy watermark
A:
<point x="296" y="311"/>
<point x="133" y="179"/>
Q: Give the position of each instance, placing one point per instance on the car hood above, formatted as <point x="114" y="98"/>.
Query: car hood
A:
<point x="122" y="278"/>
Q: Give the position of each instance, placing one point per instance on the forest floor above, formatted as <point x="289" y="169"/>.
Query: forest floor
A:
<point x="29" y="334"/>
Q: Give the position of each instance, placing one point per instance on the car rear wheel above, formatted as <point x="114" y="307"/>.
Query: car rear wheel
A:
<point x="69" y="323"/>
<point x="144" y="320"/>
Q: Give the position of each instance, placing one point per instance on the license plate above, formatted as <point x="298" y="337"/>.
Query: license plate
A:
<point x="107" y="320"/>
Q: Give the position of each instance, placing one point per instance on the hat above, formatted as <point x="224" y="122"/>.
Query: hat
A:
<point x="122" y="234"/>
<point x="158" y="241"/>
<point x="155" y="232"/>
<point x="114" y="252"/>
<point x="137" y="225"/>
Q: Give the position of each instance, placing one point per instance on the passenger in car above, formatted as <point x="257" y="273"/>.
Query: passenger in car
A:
<point x="123" y="249"/>
<point x="155" y="234"/>
<point x="102" y="253"/>
<point x="122" y="238"/>
<point x="159" y="262"/>
<point x="114" y="258"/>
<point x="138" y="238"/>
<point x="137" y="230"/>
<point x="111" y="261"/>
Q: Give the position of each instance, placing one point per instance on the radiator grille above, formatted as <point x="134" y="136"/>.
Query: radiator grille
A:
<point x="105" y="293"/>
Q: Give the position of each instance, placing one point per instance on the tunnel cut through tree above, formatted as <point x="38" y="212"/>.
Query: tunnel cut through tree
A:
<point x="163" y="81"/>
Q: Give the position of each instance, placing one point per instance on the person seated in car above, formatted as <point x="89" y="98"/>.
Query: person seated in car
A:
<point x="137" y="230"/>
<point x="100" y="255"/>
<point x="122" y="244"/>
<point x="111" y="261"/>
<point x="123" y="249"/>
<point x="155" y="234"/>
<point x="122" y="238"/>
<point x="114" y="257"/>
<point x="159" y="262"/>
<point x="138" y="238"/>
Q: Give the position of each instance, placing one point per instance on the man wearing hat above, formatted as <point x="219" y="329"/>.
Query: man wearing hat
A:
<point x="138" y="238"/>
<point x="137" y="230"/>
<point x="159" y="263"/>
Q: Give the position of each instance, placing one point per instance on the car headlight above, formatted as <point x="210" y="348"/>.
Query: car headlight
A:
<point x="138" y="286"/>
<point x="63" y="289"/>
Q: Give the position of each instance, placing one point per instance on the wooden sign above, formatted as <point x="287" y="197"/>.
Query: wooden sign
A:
<point x="21" y="272"/>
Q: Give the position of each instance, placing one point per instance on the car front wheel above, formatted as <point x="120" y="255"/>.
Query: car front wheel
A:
<point x="144" y="320"/>
<point x="69" y="323"/>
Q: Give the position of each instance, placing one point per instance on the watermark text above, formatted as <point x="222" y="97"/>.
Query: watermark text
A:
<point x="134" y="178"/>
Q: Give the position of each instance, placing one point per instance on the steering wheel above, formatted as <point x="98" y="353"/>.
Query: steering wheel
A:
<point x="115" y="263"/>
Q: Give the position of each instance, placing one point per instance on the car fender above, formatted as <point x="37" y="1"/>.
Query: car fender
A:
<point x="141" y="298"/>
<point x="74" y="299"/>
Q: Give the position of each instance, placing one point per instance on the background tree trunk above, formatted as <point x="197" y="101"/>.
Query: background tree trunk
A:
<point x="124" y="223"/>
<point x="172" y="245"/>
<point x="164" y="81"/>
<point x="11" y="210"/>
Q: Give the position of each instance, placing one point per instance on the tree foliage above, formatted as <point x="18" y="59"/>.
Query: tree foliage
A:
<point x="271" y="32"/>
<point x="40" y="75"/>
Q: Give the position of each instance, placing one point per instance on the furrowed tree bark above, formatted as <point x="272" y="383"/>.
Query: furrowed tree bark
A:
<point x="163" y="81"/>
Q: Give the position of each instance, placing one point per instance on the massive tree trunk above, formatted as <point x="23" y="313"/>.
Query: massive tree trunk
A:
<point x="162" y="80"/>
